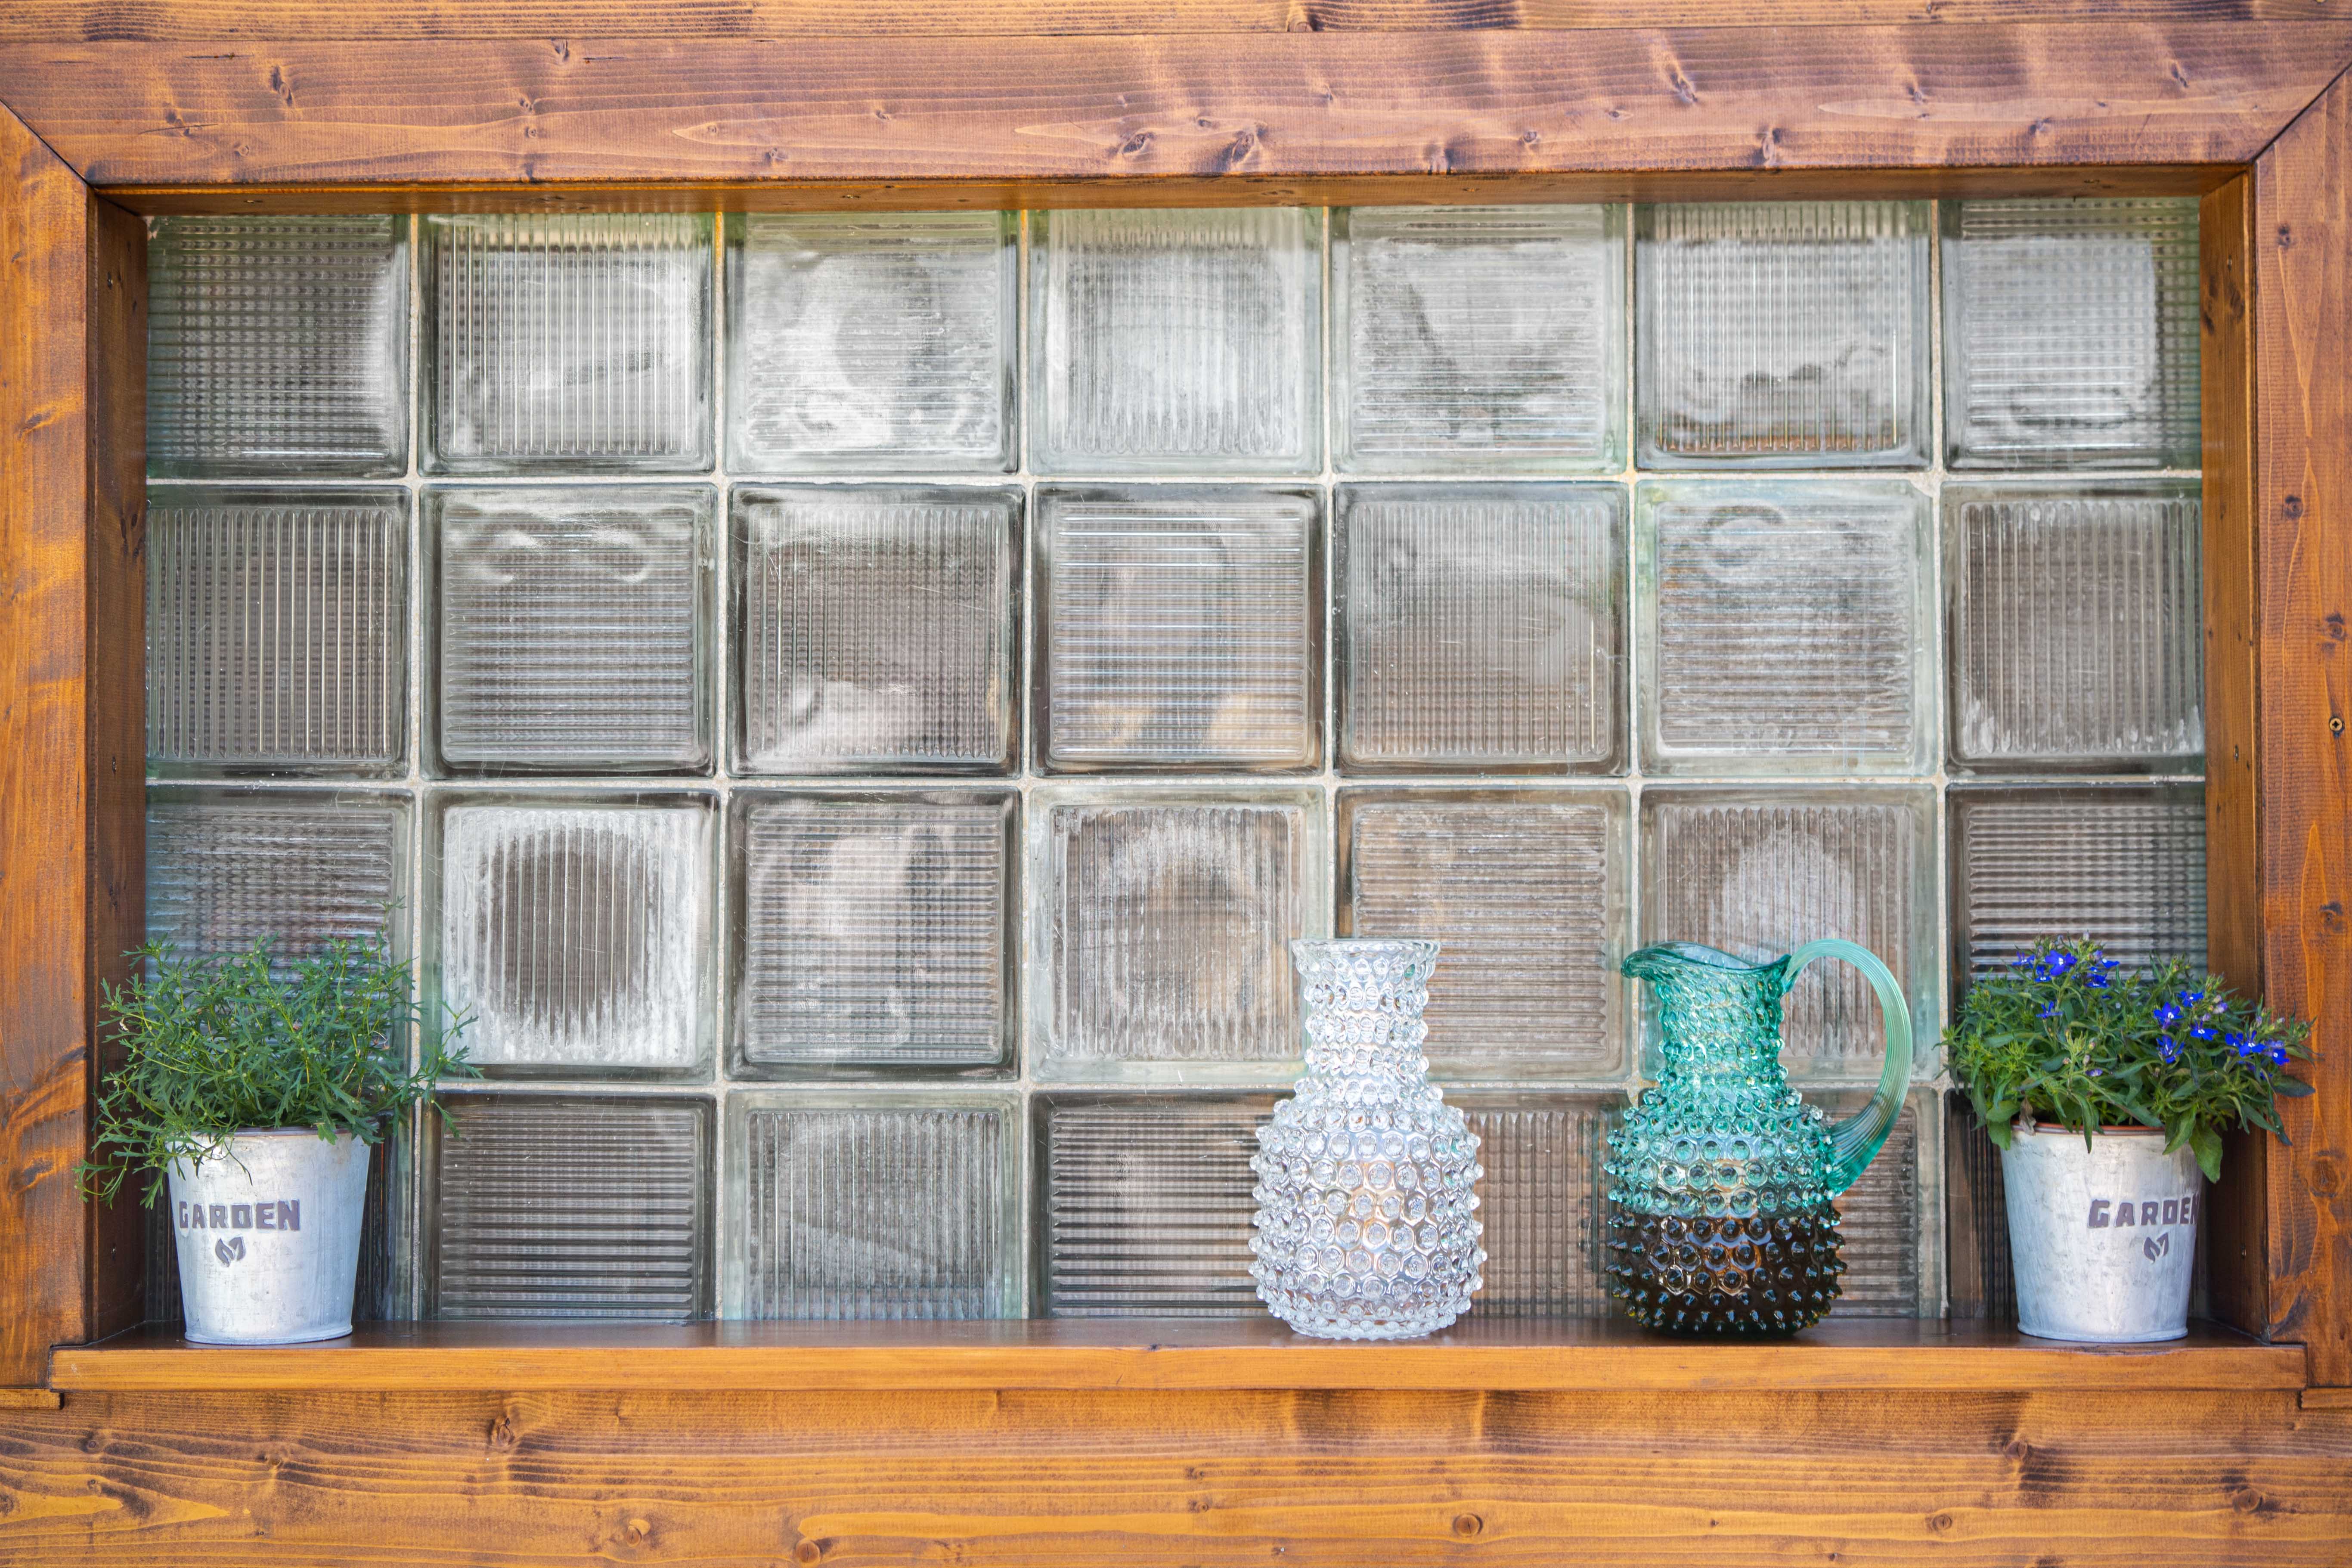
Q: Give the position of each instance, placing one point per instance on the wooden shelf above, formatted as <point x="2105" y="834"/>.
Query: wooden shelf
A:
<point x="1501" y="1355"/>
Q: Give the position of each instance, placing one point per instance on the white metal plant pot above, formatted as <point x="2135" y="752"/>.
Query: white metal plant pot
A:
<point x="268" y="1237"/>
<point x="2101" y="1238"/>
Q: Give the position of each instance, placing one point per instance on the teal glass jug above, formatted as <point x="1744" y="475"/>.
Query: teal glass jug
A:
<point x="1721" y="1178"/>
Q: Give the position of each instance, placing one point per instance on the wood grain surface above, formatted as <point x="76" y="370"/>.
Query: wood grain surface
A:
<point x="1260" y="107"/>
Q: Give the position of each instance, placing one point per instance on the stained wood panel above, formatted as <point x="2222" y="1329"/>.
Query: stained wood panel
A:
<point x="1139" y="107"/>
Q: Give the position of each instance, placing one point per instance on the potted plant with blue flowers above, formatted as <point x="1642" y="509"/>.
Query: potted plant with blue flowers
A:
<point x="2108" y="1093"/>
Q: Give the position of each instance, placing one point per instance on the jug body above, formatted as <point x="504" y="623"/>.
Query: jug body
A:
<point x="1367" y="1225"/>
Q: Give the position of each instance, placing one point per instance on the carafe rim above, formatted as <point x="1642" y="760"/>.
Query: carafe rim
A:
<point x="1699" y="954"/>
<point x="1421" y="948"/>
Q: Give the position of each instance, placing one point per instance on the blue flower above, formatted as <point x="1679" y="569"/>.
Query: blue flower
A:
<point x="2098" y="982"/>
<point x="2244" y="1043"/>
<point x="2171" y="1049"/>
<point x="2190" y="998"/>
<point x="2167" y="1015"/>
<point x="2060" y="963"/>
<point x="2202" y="1031"/>
<point x="2278" y="1055"/>
<point x="2050" y="1011"/>
<point x="2096" y="1072"/>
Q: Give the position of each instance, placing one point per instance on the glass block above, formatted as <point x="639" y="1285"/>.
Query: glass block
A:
<point x="1480" y="337"/>
<point x="1982" y="1279"/>
<point x="278" y="346"/>
<point x="1144" y="1206"/>
<point x="874" y="928"/>
<point x="567" y="341"/>
<point x="573" y="930"/>
<point x="1782" y="334"/>
<point x="566" y="1206"/>
<point x="880" y="342"/>
<point x="1889" y="1219"/>
<point x="877" y="628"/>
<point x="302" y="867"/>
<point x="1785" y="627"/>
<point x="1481" y="626"/>
<point x="2121" y="864"/>
<point x="1526" y="891"/>
<point x="1160" y="925"/>
<point x="1540" y="1202"/>
<point x="1761" y="872"/>
<point x="277" y="630"/>
<point x="2076" y="626"/>
<point x="877" y="1207"/>
<point x="573" y="627"/>
<point x="1171" y="338"/>
<point x="2070" y="333"/>
<point x="1179" y="627"/>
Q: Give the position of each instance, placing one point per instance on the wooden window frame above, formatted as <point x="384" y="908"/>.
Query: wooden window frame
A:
<point x="113" y="111"/>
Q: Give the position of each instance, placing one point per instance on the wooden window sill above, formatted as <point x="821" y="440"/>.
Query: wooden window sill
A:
<point x="1177" y="1354"/>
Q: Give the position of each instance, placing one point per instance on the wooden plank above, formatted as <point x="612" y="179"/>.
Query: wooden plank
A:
<point x="1892" y="1353"/>
<point x="2303" y="519"/>
<point x="1044" y="1479"/>
<point x="186" y="21"/>
<point x="1262" y="107"/>
<point x="72" y="390"/>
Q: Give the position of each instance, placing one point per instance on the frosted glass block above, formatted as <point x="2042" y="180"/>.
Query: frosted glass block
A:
<point x="567" y="341"/>
<point x="2121" y="864"/>
<point x="2076" y="617"/>
<point x="874" y="928"/>
<point x="573" y="627"/>
<point x="277" y="630"/>
<point x="1481" y="626"/>
<point x="1162" y="919"/>
<point x="1541" y="1202"/>
<point x="1179" y="629"/>
<point x="1785" y="627"/>
<point x="2070" y="332"/>
<point x="1890" y="1220"/>
<point x="547" y="1206"/>
<point x="573" y="931"/>
<point x="1761" y="872"/>
<point x="877" y="628"/>
<point x="1183" y="338"/>
<point x="302" y="868"/>
<point x="1485" y="337"/>
<point x="881" y="1207"/>
<point x="880" y="342"/>
<point x="1526" y="891"/>
<point x="1145" y="1205"/>
<point x="278" y="346"/>
<point x="1782" y="334"/>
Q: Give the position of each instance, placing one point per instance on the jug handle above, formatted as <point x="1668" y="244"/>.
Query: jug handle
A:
<point x="1855" y="1142"/>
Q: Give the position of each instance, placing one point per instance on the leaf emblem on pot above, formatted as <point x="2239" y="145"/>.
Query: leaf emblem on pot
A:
<point x="230" y="1250"/>
<point x="2158" y="1246"/>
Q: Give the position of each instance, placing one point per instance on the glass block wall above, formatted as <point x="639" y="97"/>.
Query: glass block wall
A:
<point x="851" y="706"/>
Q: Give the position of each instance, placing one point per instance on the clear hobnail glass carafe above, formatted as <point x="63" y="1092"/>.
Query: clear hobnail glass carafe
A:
<point x="1367" y="1223"/>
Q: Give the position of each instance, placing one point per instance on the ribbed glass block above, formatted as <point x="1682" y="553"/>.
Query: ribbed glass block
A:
<point x="567" y="341"/>
<point x="573" y="627"/>
<point x="1144" y="1206"/>
<point x="1481" y="626"/>
<point x="876" y="628"/>
<point x="1484" y="337"/>
<point x="1162" y="919"/>
<point x="277" y="630"/>
<point x="1782" y="334"/>
<point x="278" y="346"/>
<point x="302" y="867"/>
<point x="1178" y="628"/>
<point x="873" y="929"/>
<point x="1540" y="1202"/>
<point x="2121" y="864"/>
<point x="546" y="1206"/>
<point x="2076" y="626"/>
<point x="877" y="1207"/>
<point x="880" y="342"/>
<point x="1784" y="627"/>
<point x="1761" y="872"/>
<point x="1526" y="892"/>
<point x="1889" y="1221"/>
<point x="1182" y="340"/>
<point x="2070" y="333"/>
<point x="573" y="931"/>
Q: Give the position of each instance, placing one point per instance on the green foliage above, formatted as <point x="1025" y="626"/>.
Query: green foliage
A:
<point x="2062" y="1034"/>
<point x="215" y="1046"/>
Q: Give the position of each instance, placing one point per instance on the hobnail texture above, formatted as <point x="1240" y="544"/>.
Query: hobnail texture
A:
<point x="1366" y="1220"/>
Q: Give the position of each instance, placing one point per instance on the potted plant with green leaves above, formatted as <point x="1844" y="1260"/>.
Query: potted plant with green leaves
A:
<point x="2108" y="1093"/>
<point x="254" y="1088"/>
